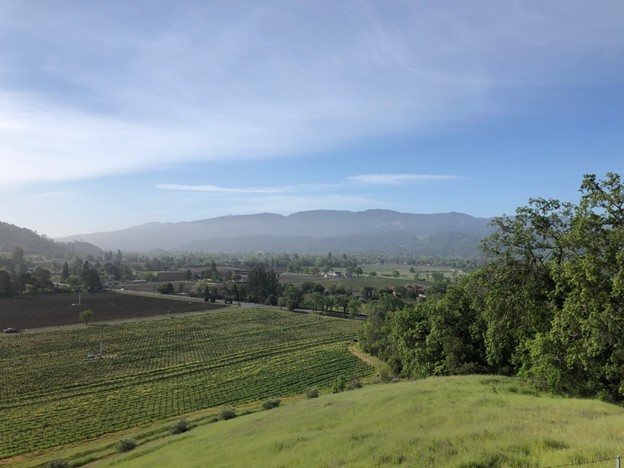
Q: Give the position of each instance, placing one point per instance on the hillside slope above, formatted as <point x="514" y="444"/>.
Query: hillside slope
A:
<point x="456" y="421"/>
<point x="32" y="243"/>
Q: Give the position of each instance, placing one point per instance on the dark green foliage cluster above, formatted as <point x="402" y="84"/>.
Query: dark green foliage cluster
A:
<point x="354" y="384"/>
<point x="125" y="445"/>
<point x="179" y="427"/>
<point x="312" y="392"/>
<point x="549" y="306"/>
<point x="339" y="385"/>
<point x="166" y="288"/>
<point x="226" y="412"/>
<point x="271" y="403"/>
<point x="58" y="463"/>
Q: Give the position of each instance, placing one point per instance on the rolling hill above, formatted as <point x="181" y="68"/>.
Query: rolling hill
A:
<point x="12" y="236"/>
<point x="468" y="421"/>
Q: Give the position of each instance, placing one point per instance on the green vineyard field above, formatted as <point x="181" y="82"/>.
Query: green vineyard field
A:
<point x="52" y="394"/>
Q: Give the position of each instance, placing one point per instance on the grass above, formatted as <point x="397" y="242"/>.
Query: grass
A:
<point x="469" y="421"/>
<point x="154" y="370"/>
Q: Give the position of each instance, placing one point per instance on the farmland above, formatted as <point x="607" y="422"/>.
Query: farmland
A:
<point x="153" y="370"/>
<point x="57" y="309"/>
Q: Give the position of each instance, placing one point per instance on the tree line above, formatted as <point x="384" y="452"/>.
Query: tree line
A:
<point x="549" y="305"/>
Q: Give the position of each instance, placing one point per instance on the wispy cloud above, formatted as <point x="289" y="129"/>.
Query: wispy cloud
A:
<point x="85" y="95"/>
<point x="397" y="179"/>
<point x="217" y="189"/>
<point x="299" y="188"/>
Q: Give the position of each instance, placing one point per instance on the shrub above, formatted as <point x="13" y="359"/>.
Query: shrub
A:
<point x="181" y="426"/>
<point x="312" y="392"/>
<point x="227" y="412"/>
<point x="385" y="374"/>
<point x="271" y="403"/>
<point x="125" y="445"/>
<point x="354" y="384"/>
<point x="58" y="463"/>
<point x="339" y="384"/>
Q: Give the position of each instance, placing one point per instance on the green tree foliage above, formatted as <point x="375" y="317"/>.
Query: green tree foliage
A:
<point x="262" y="283"/>
<point x="549" y="306"/>
<point x="86" y="316"/>
<point x="291" y="297"/>
<point x="441" y="337"/>
<point x="339" y="384"/>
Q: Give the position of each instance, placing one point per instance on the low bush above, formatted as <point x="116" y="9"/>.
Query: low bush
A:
<point x="227" y="412"/>
<point x="59" y="463"/>
<point x="354" y="384"/>
<point x="181" y="426"/>
<point x="339" y="384"/>
<point x="312" y="392"/>
<point x="385" y="374"/>
<point x="271" y="403"/>
<point x="125" y="445"/>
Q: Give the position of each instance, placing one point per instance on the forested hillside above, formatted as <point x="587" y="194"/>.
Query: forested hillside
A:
<point x="34" y="244"/>
<point x="549" y="306"/>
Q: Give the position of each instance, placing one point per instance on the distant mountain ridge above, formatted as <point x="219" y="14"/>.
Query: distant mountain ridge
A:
<point x="318" y="231"/>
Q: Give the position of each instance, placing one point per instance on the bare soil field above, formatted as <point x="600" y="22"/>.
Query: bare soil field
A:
<point x="58" y="309"/>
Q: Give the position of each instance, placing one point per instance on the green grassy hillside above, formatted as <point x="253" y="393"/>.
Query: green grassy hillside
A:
<point x="460" y="421"/>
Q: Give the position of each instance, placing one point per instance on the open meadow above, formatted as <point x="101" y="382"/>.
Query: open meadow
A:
<point x="469" y="421"/>
<point x="53" y="394"/>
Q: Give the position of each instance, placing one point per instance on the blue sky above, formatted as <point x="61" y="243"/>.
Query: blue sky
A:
<point x="117" y="113"/>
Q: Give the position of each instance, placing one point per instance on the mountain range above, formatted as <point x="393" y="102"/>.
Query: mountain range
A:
<point x="319" y="231"/>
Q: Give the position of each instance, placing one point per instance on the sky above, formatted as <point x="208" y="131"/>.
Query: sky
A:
<point x="119" y="113"/>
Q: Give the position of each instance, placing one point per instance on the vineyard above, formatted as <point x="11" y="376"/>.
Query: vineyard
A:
<point x="52" y="394"/>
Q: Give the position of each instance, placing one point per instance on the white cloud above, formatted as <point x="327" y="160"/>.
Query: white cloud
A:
<point x="86" y="95"/>
<point x="217" y="189"/>
<point x="396" y="179"/>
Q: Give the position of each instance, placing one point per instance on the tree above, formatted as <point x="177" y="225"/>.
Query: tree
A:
<point x="90" y="278"/>
<point x="581" y="353"/>
<point x="549" y="306"/>
<point x="262" y="283"/>
<point x="19" y="264"/>
<point x="290" y="297"/>
<point x="86" y="316"/>
<point x="65" y="272"/>
<point x="6" y="285"/>
<point x="354" y="307"/>
<point x="166" y="289"/>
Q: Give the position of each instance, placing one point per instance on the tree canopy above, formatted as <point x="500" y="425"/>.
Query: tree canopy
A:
<point x="549" y="305"/>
